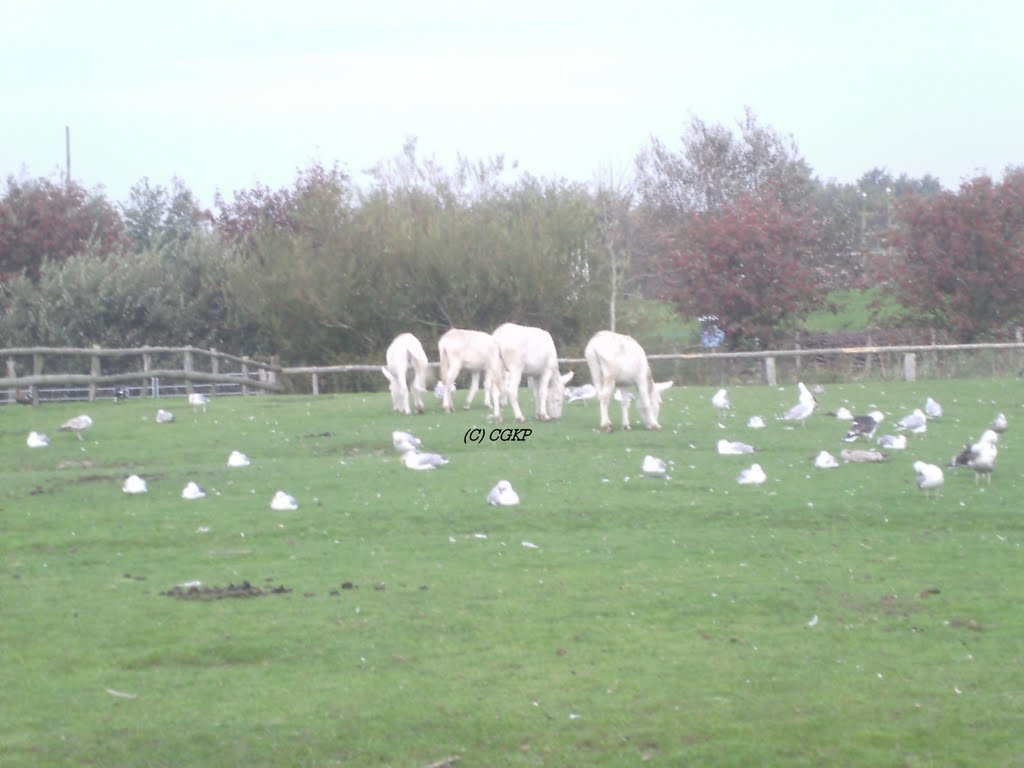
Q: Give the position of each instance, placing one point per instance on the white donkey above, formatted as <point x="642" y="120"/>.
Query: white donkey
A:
<point x="614" y="358"/>
<point x="477" y="352"/>
<point x="405" y="355"/>
<point x="531" y="351"/>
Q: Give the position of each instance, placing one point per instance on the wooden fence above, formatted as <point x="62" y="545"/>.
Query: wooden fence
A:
<point x="907" y="363"/>
<point x="133" y="366"/>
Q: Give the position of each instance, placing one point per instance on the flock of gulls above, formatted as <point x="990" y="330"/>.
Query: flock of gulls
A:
<point x="135" y="485"/>
<point x="979" y="455"/>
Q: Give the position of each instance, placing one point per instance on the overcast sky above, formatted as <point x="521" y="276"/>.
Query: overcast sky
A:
<point x="226" y="94"/>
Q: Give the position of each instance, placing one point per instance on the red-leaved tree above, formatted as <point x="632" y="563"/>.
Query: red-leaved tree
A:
<point x="43" y="221"/>
<point x="960" y="261"/>
<point x="749" y="264"/>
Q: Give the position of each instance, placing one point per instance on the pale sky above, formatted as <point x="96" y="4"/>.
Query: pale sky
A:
<point x="225" y="94"/>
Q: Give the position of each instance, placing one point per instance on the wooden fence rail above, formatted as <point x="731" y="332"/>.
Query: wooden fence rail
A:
<point x="218" y="368"/>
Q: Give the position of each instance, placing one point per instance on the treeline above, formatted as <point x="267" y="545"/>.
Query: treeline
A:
<point x="732" y="222"/>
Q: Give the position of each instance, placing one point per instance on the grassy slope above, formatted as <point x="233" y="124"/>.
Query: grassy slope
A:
<point x="663" y="620"/>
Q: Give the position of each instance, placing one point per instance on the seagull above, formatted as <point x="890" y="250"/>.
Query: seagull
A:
<point x="864" y="426"/>
<point x="929" y="476"/>
<point x="721" y="400"/>
<point x="980" y="456"/>
<point x="164" y="417"/>
<point x="799" y="412"/>
<point x="439" y="389"/>
<point x="282" y="502"/>
<point x="844" y="414"/>
<point x="756" y="422"/>
<point x="753" y="475"/>
<point x="619" y="394"/>
<point x="999" y="423"/>
<point x="404" y="442"/>
<point x="989" y="436"/>
<point x="862" y="457"/>
<point x="932" y="409"/>
<point x="654" y="467"/>
<point x="423" y="461"/>
<point x="134" y="484"/>
<point x="585" y="392"/>
<point x="121" y="393"/>
<point x="21" y="397"/>
<point x="197" y="400"/>
<point x="238" y="459"/>
<point x="825" y="460"/>
<point x="502" y="495"/>
<point x="192" y="491"/>
<point x="77" y="425"/>
<point x="804" y="408"/>
<point x="37" y="440"/>
<point x="916" y="422"/>
<point x="733" y="448"/>
<point x="893" y="442"/>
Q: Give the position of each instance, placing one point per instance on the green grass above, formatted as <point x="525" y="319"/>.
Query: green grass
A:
<point x="660" y="621"/>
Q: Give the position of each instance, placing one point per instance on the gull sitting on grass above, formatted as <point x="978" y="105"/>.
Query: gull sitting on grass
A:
<point x="734" y="448"/>
<point x="404" y="442"/>
<point x="423" y="461"/>
<point x="825" y="460"/>
<point x="929" y="477"/>
<point x="753" y="475"/>
<point x="503" y="495"/>
<point x="164" y="417"/>
<point x="654" y="467"/>
<point x="133" y="485"/>
<point x="37" y="440"/>
<point x="193" y="491"/>
<point x="238" y="459"/>
<point x="283" y="502"/>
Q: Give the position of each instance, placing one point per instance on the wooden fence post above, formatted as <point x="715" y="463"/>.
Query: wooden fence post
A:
<point x="910" y="367"/>
<point x="214" y="366"/>
<point x="147" y="364"/>
<point x="12" y="372"/>
<point x="94" y="372"/>
<point x="245" y="378"/>
<point x="316" y="384"/>
<point x="37" y="370"/>
<point x="188" y="369"/>
<point x="769" y="371"/>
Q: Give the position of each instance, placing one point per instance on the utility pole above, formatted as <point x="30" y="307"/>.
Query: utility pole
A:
<point x="67" y="154"/>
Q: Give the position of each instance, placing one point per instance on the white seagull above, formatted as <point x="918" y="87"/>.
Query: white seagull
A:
<point x="916" y="422"/>
<point x="238" y="459"/>
<point x="192" y="491"/>
<point x="804" y="408"/>
<point x="929" y="476"/>
<point x="197" y="400"/>
<point x="77" y="425"/>
<point x="893" y="442"/>
<point x="864" y="426"/>
<point x="989" y="436"/>
<point x="164" y="417"/>
<point x="283" y="502"/>
<point x="37" y="440"/>
<point x="721" y="400"/>
<point x="844" y="414"/>
<point x="752" y="475"/>
<point x="134" y="484"/>
<point x="654" y="467"/>
<point x="756" y="422"/>
<point x="932" y="409"/>
<point x="734" y="448"/>
<point x="439" y="389"/>
<point x="619" y="394"/>
<point x="404" y="442"/>
<point x="423" y="461"/>
<point x="585" y="392"/>
<point x="825" y="460"/>
<point x="999" y="423"/>
<point x="502" y="495"/>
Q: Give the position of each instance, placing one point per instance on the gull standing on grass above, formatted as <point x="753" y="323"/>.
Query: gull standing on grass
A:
<point x="929" y="477"/>
<point x="864" y="426"/>
<point x="932" y="409"/>
<point x="654" y="467"/>
<point x="77" y="425"/>
<point x="721" y="400"/>
<point x="804" y="408"/>
<point x="164" y="417"/>
<point x="585" y="392"/>
<point x="404" y="442"/>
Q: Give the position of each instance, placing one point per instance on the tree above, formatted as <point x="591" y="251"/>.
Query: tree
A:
<point x="42" y="221"/>
<point x="747" y="263"/>
<point x="155" y="216"/>
<point x="960" y="257"/>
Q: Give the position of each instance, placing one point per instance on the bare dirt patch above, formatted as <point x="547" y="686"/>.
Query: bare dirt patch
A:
<point x="245" y="589"/>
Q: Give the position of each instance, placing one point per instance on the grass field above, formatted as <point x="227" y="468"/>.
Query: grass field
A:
<point x="661" y="621"/>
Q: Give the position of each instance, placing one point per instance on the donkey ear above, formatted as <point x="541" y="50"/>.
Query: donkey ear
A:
<point x="661" y="386"/>
<point x="567" y="377"/>
<point x="387" y="373"/>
